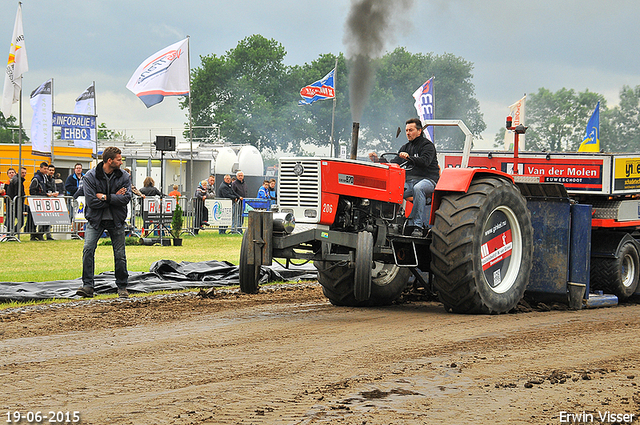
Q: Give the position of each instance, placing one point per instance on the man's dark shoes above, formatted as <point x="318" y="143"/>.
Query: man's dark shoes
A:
<point x="123" y="293"/>
<point x="418" y="232"/>
<point x="85" y="292"/>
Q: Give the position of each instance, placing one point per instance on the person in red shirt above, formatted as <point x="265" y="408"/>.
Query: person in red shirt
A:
<point x="175" y="192"/>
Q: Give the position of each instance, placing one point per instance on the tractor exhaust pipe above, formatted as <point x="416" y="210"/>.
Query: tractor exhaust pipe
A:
<point x="354" y="140"/>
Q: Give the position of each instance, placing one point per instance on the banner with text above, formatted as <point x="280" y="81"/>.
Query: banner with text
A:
<point x="46" y="211"/>
<point x="74" y="126"/>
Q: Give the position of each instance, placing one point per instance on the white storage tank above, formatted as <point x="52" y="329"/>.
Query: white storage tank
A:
<point x="225" y="161"/>
<point x="250" y="161"/>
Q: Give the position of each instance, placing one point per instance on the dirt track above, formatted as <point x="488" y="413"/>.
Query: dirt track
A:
<point x="290" y="357"/>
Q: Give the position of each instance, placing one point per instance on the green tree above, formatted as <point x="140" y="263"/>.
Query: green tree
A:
<point x="244" y="91"/>
<point x="398" y="75"/>
<point x="9" y="130"/>
<point x="498" y="141"/>
<point x="557" y="121"/>
<point x="620" y="128"/>
<point x="104" y="133"/>
<point x="253" y="97"/>
<point x="391" y="103"/>
<point x="315" y="119"/>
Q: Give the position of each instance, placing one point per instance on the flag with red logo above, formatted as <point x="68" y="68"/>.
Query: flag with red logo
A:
<point x="16" y="66"/>
<point x="165" y="73"/>
<point x="425" y="104"/>
<point x="516" y="111"/>
<point x="320" y="90"/>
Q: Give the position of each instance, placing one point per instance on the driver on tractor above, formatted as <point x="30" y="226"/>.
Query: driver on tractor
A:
<point x="422" y="174"/>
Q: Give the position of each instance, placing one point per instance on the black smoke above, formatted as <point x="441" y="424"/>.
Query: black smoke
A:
<point x="370" y="28"/>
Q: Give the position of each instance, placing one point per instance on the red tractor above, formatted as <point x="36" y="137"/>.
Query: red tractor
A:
<point x="348" y="217"/>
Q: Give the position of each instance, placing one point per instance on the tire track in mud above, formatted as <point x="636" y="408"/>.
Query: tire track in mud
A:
<point x="293" y="358"/>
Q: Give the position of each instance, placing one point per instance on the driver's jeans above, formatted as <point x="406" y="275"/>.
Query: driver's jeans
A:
<point x="421" y="190"/>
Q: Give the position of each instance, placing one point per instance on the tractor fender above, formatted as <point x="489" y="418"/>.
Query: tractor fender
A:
<point x="459" y="180"/>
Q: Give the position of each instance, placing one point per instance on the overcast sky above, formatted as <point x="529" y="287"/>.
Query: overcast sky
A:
<point x="516" y="46"/>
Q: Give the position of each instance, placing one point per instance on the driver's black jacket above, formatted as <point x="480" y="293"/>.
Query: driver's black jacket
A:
<point x="423" y="157"/>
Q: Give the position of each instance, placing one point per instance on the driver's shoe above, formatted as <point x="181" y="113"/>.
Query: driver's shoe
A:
<point x="418" y="232"/>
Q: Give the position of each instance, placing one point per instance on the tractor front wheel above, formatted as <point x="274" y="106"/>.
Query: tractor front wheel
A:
<point x="337" y="280"/>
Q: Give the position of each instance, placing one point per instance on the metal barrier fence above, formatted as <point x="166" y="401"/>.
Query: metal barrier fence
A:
<point x="197" y="215"/>
<point x="18" y="220"/>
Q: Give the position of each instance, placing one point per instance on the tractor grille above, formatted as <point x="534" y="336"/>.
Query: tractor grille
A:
<point x="299" y="183"/>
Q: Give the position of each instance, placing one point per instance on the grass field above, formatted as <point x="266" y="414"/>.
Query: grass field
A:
<point x="62" y="260"/>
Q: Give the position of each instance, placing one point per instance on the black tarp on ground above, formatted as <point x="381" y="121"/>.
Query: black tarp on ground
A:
<point x="163" y="275"/>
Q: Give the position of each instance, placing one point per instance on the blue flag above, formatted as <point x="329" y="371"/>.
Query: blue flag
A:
<point x="320" y="90"/>
<point x="591" y="141"/>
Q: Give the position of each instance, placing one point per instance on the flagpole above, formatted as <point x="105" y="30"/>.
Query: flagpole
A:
<point x="51" y="134"/>
<point x="334" y="149"/>
<point x="433" y="89"/>
<point x="20" y="184"/>
<point x="95" y="112"/>
<point x="190" y="174"/>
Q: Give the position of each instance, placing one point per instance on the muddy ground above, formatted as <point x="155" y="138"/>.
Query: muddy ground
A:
<point x="289" y="357"/>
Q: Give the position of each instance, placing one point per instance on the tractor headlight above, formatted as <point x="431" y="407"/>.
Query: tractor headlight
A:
<point x="283" y="222"/>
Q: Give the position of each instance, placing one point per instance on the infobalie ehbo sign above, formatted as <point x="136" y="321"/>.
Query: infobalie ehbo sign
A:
<point x="74" y="126"/>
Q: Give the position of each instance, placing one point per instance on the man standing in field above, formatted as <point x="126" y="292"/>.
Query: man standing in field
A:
<point x="107" y="192"/>
<point x="240" y="188"/>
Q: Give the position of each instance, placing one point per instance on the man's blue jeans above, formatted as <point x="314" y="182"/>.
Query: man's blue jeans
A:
<point x="421" y="190"/>
<point x="91" y="237"/>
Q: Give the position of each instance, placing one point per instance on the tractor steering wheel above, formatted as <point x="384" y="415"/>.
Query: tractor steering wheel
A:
<point x="407" y="165"/>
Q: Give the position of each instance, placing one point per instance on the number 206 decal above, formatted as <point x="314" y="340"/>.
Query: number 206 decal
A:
<point x="327" y="208"/>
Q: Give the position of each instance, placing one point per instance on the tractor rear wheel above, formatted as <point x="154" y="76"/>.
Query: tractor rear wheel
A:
<point x="337" y="280"/>
<point x="249" y="273"/>
<point x="482" y="248"/>
<point x="618" y="275"/>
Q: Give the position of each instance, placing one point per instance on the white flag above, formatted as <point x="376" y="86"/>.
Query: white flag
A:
<point x="516" y="111"/>
<point x="41" y="125"/>
<point x="86" y="105"/>
<point x="165" y="73"/>
<point x="16" y="66"/>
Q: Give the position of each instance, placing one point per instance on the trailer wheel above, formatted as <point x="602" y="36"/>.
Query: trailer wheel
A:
<point x="249" y="273"/>
<point x="337" y="280"/>
<point x="482" y="248"/>
<point x="618" y="275"/>
<point x="363" y="264"/>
